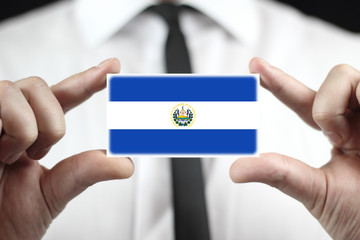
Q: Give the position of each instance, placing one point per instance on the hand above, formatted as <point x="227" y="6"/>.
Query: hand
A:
<point x="32" y="120"/>
<point x="331" y="193"/>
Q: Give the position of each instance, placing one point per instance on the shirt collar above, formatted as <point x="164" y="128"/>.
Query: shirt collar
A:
<point x="98" y="20"/>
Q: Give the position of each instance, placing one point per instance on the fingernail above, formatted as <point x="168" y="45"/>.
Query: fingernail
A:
<point x="104" y="62"/>
<point x="334" y="138"/>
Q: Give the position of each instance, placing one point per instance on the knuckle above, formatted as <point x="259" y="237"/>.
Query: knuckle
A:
<point x="28" y="136"/>
<point x="85" y="89"/>
<point x="321" y="117"/>
<point x="343" y="70"/>
<point x="37" y="82"/>
<point x="6" y="86"/>
<point x="282" y="174"/>
<point x="6" y="83"/>
<point x="56" y="133"/>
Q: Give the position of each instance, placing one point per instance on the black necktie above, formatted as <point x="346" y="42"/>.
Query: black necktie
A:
<point x="190" y="213"/>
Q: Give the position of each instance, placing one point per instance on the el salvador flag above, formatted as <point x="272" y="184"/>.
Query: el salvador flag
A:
<point x="182" y="115"/>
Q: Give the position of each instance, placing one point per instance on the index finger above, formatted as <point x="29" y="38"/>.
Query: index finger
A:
<point x="288" y="90"/>
<point x="77" y="88"/>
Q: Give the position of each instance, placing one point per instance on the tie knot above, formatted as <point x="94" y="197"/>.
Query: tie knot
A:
<point x="169" y="12"/>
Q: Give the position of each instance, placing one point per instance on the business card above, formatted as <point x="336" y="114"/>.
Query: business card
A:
<point x="186" y="115"/>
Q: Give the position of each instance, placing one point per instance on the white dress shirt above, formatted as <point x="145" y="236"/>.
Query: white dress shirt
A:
<point x="70" y="36"/>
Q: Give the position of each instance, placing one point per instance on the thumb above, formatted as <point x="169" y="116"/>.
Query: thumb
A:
<point x="291" y="176"/>
<point x="73" y="175"/>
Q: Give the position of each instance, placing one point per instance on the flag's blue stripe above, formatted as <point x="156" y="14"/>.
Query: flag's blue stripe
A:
<point x="199" y="141"/>
<point x="183" y="88"/>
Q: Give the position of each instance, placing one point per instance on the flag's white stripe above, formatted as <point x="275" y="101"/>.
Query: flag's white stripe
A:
<point x="157" y="115"/>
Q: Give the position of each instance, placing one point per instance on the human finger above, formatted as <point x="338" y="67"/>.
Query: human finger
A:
<point x="73" y="175"/>
<point x="79" y="87"/>
<point x="293" y="177"/>
<point x="19" y="129"/>
<point x="48" y="112"/>
<point x="288" y="90"/>
<point x="333" y="100"/>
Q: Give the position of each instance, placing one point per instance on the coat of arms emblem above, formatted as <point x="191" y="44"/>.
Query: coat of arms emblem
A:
<point x="183" y="115"/>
